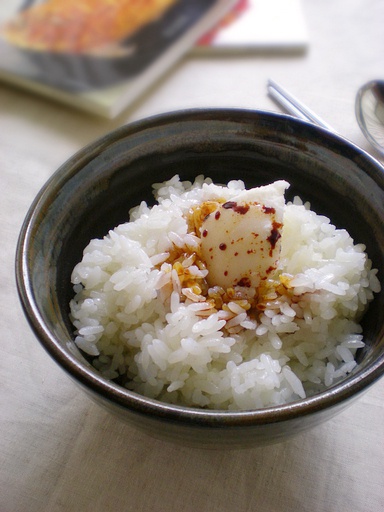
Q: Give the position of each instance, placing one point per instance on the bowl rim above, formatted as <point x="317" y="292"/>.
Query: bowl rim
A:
<point x="130" y="400"/>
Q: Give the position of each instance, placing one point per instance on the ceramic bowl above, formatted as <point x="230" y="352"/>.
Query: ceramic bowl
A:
<point x="93" y="192"/>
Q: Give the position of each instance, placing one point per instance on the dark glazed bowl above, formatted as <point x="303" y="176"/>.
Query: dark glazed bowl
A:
<point x="92" y="193"/>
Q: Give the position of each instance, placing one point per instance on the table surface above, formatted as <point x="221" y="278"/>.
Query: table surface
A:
<point x="61" y="452"/>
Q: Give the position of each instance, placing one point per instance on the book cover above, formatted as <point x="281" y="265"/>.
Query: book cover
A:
<point x="99" y="55"/>
<point x="257" y="25"/>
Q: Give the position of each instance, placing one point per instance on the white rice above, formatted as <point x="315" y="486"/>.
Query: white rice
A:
<point x="141" y="326"/>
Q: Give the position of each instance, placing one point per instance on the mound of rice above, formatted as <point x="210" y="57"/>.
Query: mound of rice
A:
<point x="144" y="317"/>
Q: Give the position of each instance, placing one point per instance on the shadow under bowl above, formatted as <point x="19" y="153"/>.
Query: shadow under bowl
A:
<point x="93" y="192"/>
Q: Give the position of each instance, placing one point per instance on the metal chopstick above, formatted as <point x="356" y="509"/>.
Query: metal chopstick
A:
<point x="294" y="106"/>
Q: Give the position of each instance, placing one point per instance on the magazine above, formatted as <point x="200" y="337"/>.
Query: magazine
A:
<point x="99" y="55"/>
<point x="258" y="26"/>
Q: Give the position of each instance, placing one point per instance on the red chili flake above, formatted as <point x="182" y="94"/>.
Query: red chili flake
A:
<point x="274" y="236"/>
<point x="205" y="233"/>
<point x="226" y="273"/>
<point x="269" y="270"/>
<point x="236" y="253"/>
<point x="222" y="247"/>
<point x="242" y="209"/>
<point x="229" y="204"/>
<point x="269" y="209"/>
<point x="217" y="215"/>
<point x="245" y="282"/>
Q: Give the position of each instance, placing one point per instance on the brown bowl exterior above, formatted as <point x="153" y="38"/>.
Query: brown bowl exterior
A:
<point x="93" y="192"/>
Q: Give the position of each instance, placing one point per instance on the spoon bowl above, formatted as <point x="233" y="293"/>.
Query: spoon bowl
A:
<point x="369" y="108"/>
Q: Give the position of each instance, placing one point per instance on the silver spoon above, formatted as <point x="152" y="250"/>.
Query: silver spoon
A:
<point x="369" y="108"/>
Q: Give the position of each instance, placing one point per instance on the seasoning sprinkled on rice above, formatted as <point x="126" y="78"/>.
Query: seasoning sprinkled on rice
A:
<point x="222" y="297"/>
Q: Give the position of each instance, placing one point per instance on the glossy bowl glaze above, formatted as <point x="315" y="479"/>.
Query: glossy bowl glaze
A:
<point x="93" y="192"/>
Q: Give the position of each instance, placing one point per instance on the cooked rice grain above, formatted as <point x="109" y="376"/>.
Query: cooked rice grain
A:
<point x="147" y="321"/>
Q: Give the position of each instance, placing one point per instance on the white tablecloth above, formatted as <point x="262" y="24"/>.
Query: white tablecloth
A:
<point x="61" y="452"/>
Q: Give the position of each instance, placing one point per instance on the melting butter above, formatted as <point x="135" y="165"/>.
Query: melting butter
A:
<point x="241" y="238"/>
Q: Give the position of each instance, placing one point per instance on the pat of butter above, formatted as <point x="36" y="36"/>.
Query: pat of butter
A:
<point x="240" y="239"/>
